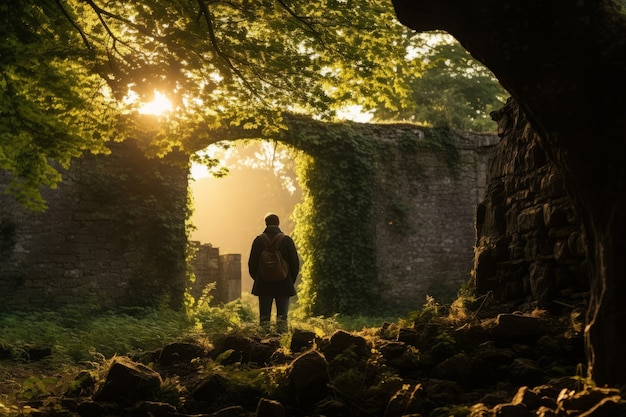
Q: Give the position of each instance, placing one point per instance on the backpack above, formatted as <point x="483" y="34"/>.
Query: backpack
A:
<point x="272" y="266"/>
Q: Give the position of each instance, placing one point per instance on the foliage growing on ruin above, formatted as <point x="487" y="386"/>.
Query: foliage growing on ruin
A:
<point x="334" y="231"/>
<point x="444" y="139"/>
<point x="68" y="68"/>
<point x="143" y="203"/>
<point x="7" y="236"/>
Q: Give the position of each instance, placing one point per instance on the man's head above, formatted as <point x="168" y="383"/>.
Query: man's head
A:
<point x="271" y="220"/>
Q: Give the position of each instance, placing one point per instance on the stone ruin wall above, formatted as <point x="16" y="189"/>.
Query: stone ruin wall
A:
<point x="210" y="267"/>
<point x="425" y="202"/>
<point x="104" y="240"/>
<point x="529" y="247"/>
<point x="113" y="235"/>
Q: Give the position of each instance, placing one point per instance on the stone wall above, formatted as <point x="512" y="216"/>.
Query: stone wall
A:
<point x="205" y="264"/>
<point x="113" y="235"/>
<point x="427" y="192"/>
<point x="529" y="247"/>
<point x="230" y="277"/>
<point x="209" y="267"/>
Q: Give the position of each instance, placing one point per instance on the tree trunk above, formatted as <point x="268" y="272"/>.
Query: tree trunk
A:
<point x="564" y="61"/>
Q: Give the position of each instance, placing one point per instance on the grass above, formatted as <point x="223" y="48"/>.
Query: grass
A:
<point x="77" y="337"/>
<point x="84" y="339"/>
<point x="84" y="342"/>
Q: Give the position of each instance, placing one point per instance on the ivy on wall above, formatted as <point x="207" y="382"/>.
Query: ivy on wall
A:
<point x="7" y="236"/>
<point x="138" y="207"/>
<point x="335" y="226"/>
<point x="335" y="231"/>
<point x="144" y="203"/>
<point x="446" y="140"/>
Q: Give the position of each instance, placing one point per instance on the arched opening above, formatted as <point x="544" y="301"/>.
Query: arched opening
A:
<point x="228" y="210"/>
<point x="386" y="218"/>
<point x="384" y="212"/>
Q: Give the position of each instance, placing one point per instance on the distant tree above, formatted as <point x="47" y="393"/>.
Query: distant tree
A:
<point x="449" y="88"/>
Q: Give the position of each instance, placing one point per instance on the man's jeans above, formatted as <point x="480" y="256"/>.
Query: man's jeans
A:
<point x="282" y="311"/>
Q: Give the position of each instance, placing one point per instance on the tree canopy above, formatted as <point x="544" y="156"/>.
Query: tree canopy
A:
<point x="68" y="68"/>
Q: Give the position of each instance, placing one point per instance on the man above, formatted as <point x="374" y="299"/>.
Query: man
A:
<point x="279" y="291"/>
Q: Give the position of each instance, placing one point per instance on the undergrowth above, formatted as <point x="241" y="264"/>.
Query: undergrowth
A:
<point x="84" y="341"/>
<point x="78" y="335"/>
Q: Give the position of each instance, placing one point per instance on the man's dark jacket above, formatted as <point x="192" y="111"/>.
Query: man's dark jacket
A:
<point x="288" y="250"/>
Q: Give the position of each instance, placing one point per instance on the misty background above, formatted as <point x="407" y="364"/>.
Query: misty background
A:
<point x="229" y="211"/>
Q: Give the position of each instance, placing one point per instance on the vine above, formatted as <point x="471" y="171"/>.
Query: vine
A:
<point x="334" y="228"/>
<point x="335" y="225"/>
<point x="445" y="139"/>
<point x="141" y="200"/>
<point x="7" y="236"/>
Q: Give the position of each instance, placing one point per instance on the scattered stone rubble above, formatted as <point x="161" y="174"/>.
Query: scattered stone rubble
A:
<point x="513" y="365"/>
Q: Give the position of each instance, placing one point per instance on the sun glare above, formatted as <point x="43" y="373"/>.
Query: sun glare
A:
<point x="355" y="113"/>
<point x="199" y="171"/>
<point x="159" y="105"/>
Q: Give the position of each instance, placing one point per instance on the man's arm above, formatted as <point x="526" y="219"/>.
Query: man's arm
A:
<point x="293" y="259"/>
<point x="253" y="259"/>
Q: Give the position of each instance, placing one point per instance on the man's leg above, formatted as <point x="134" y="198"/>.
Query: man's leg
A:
<point x="265" y="311"/>
<point x="282" y="313"/>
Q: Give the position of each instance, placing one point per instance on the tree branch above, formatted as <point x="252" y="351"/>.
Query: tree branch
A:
<point x="302" y="20"/>
<point x="75" y="25"/>
<point x="208" y="18"/>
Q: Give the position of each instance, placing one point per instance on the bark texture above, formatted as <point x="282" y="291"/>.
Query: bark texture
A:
<point x="564" y="61"/>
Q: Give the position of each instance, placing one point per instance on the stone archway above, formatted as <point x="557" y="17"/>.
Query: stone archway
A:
<point x="228" y="211"/>
<point x="392" y="222"/>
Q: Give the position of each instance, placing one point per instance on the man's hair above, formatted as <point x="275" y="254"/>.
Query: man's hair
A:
<point x="272" y="220"/>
